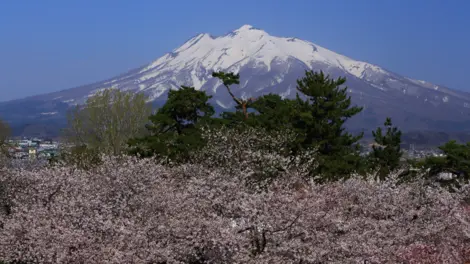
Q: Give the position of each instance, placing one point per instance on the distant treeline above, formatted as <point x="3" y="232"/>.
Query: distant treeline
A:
<point x="420" y="139"/>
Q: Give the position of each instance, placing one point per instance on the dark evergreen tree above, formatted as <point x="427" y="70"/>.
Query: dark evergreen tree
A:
<point x="320" y="121"/>
<point x="386" y="153"/>
<point x="272" y="112"/>
<point x="456" y="160"/>
<point x="230" y="79"/>
<point x="269" y="111"/>
<point x="4" y="134"/>
<point x="174" y="128"/>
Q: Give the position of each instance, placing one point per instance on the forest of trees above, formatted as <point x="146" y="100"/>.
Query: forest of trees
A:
<point x="115" y="123"/>
<point x="276" y="181"/>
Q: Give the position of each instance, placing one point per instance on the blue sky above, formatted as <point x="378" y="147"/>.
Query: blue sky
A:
<point x="51" y="45"/>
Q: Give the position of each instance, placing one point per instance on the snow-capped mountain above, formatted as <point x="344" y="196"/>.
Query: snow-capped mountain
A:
<point x="269" y="64"/>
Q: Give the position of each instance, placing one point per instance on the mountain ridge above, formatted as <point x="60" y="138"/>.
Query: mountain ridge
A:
<point x="268" y="64"/>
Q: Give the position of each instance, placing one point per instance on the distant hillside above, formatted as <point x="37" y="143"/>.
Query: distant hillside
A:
<point x="41" y="130"/>
<point x="433" y="138"/>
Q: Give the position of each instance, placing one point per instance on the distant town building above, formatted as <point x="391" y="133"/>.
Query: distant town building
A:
<point x="32" y="153"/>
<point x="33" y="148"/>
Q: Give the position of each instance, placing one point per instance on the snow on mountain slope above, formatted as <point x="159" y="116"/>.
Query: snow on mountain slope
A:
<point x="237" y="49"/>
<point x="250" y="47"/>
<point x="270" y="64"/>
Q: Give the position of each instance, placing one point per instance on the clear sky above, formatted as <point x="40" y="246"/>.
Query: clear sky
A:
<point x="50" y="45"/>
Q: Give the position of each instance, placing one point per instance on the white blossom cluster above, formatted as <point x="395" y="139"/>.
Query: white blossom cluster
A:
<point x="129" y="210"/>
<point x="254" y="153"/>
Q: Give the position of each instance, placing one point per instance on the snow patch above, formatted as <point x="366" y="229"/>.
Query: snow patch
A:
<point x="196" y="82"/>
<point x="380" y="87"/>
<point x="222" y="104"/>
<point x="49" y="113"/>
<point x="112" y="81"/>
<point x="287" y="92"/>
<point x="244" y="28"/>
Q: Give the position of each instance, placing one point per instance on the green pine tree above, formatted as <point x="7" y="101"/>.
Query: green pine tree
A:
<point x="386" y="153"/>
<point x="174" y="129"/>
<point x="272" y="112"/>
<point x="4" y="134"/>
<point x="320" y="121"/>
<point x="230" y="79"/>
<point x="456" y="160"/>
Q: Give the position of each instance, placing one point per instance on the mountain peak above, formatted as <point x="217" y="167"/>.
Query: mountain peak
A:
<point x="270" y="64"/>
<point x="245" y="28"/>
<point x="248" y="45"/>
